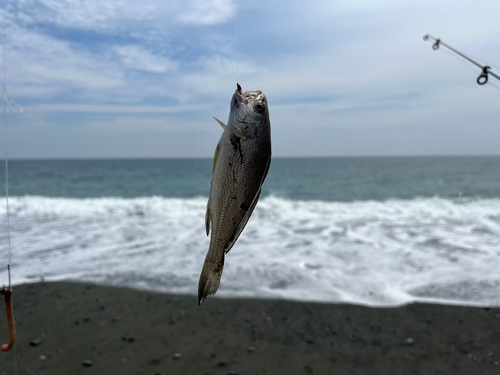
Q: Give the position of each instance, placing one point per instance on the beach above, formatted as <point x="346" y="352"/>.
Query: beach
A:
<point x="81" y="328"/>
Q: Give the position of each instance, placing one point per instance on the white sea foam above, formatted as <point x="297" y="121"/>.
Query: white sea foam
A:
<point x="368" y="252"/>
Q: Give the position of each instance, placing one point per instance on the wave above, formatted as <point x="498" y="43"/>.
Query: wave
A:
<point x="380" y="253"/>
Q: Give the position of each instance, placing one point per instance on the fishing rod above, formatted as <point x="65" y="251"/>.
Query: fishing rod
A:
<point x="485" y="70"/>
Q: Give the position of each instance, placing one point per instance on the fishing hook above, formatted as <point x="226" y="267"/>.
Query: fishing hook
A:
<point x="7" y="295"/>
<point x="483" y="77"/>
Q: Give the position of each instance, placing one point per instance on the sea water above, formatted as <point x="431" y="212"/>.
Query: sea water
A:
<point x="371" y="231"/>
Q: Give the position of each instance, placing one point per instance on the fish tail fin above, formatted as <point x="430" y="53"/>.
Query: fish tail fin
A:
<point x="210" y="277"/>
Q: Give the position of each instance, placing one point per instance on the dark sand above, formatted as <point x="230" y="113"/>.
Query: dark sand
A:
<point x="130" y="332"/>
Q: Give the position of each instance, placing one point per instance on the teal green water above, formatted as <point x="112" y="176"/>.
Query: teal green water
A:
<point x="329" y="179"/>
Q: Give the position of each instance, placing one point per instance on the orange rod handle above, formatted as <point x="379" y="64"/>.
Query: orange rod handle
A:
<point x="7" y="294"/>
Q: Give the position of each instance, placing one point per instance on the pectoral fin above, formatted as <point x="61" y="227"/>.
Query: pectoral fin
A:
<point x="232" y="137"/>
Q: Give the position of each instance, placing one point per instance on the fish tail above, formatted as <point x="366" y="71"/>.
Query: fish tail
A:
<point x="210" y="277"/>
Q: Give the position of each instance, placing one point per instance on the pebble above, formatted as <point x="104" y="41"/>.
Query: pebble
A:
<point x="116" y="319"/>
<point x="177" y="356"/>
<point x="36" y="342"/>
<point x="88" y="363"/>
<point x="409" y="341"/>
<point x="42" y="357"/>
<point x="128" y="338"/>
<point x="250" y="349"/>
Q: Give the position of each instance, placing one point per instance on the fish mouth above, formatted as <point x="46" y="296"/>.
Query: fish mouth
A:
<point x="238" y="96"/>
<point x="245" y="96"/>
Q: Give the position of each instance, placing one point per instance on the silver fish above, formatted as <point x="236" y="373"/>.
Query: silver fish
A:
<point x="241" y="161"/>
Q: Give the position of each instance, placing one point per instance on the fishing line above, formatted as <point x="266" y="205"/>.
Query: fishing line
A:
<point x="473" y="68"/>
<point x="8" y="105"/>
<point x="236" y="37"/>
<point x="5" y="107"/>
<point x="482" y="61"/>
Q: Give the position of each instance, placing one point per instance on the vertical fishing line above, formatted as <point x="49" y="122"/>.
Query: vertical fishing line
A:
<point x="6" y="106"/>
<point x="4" y="41"/>
<point x="236" y="37"/>
<point x="5" y="139"/>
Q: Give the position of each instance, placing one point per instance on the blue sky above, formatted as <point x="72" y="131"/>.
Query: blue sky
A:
<point x="143" y="78"/>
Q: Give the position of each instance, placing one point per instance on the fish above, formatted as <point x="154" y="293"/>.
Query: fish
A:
<point x="241" y="162"/>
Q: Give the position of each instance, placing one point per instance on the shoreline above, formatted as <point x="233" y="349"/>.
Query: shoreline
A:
<point x="60" y="325"/>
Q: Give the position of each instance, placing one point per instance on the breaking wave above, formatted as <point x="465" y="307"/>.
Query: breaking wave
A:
<point x="380" y="253"/>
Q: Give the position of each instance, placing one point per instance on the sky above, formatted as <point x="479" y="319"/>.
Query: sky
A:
<point x="121" y="78"/>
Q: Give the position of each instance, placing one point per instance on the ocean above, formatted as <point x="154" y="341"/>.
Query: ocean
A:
<point x="381" y="231"/>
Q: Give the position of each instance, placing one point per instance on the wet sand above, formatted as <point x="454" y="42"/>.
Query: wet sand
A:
<point x="62" y="325"/>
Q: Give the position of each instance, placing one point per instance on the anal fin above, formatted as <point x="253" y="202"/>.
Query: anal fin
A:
<point x="207" y="215"/>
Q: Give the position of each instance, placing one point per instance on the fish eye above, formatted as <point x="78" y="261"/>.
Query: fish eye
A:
<point x="259" y="107"/>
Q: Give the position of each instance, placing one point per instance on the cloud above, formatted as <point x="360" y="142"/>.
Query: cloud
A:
<point x="35" y="58"/>
<point x="95" y="108"/>
<point x="121" y="14"/>
<point x="326" y="66"/>
<point x="135" y="57"/>
<point x="206" y="12"/>
<point x="142" y="125"/>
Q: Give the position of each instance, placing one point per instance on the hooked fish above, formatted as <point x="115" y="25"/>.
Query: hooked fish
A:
<point x="241" y="161"/>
